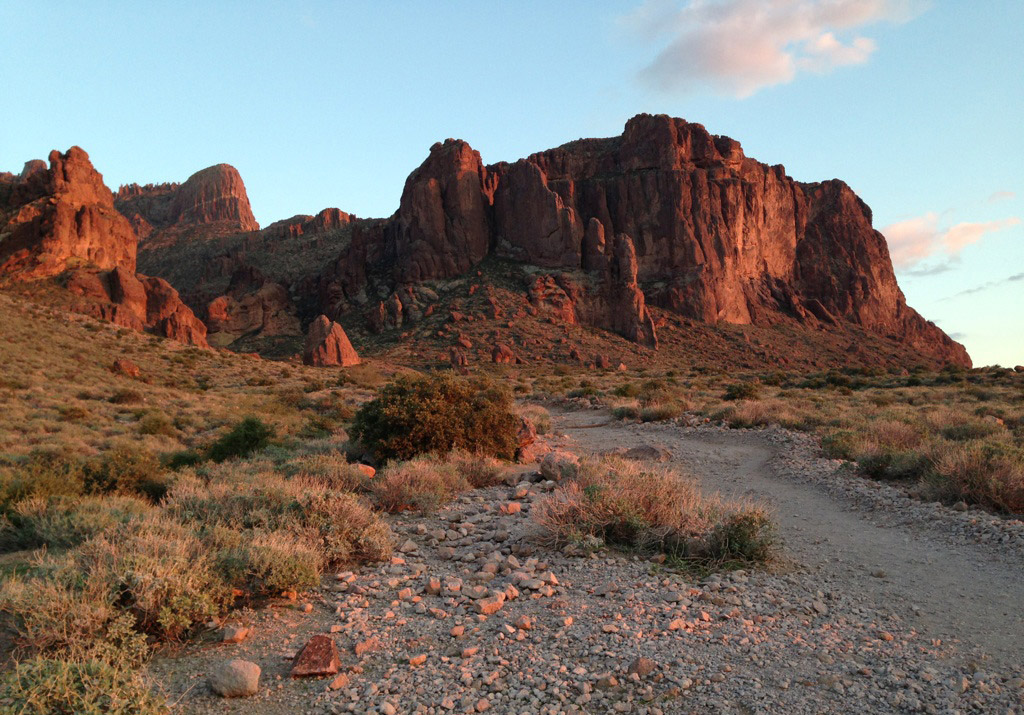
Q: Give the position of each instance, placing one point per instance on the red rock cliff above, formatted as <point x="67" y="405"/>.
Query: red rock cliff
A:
<point x="50" y="217"/>
<point x="213" y="199"/>
<point x="716" y="236"/>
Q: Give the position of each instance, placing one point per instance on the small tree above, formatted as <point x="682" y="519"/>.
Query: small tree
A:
<point x="436" y="414"/>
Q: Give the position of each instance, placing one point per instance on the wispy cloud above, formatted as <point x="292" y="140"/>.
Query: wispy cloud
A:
<point x="1001" y="196"/>
<point x="740" y="46"/>
<point x="1015" y="278"/>
<point x="916" y="239"/>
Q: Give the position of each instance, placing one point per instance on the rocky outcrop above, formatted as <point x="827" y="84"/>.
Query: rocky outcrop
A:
<point x="328" y="346"/>
<point x="709" y="234"/>
<point x="137" y="302"/>
<point x="442" y="226"/>
<point x="326" y="220"/>
<point x="252" y="306"/>
<point x="213" y="199"/>
<point x="59" y="217"/>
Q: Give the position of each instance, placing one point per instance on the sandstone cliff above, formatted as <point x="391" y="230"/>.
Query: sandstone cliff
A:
<point x="210" y="202"/>
<point x="61" y="220"/>
<point x="63" y="215"/>
<point x="715" y="236"/>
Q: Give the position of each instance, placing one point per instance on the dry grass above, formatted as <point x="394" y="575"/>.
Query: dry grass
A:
<point x="623" y="503"/>
<point x="954" y="435"/>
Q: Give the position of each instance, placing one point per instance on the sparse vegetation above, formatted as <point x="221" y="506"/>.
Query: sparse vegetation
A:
<point x="623" y="503"/>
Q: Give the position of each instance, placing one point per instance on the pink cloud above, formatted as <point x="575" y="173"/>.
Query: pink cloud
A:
<point x="740" y="46"/>
<point x="915" y="239"/>
<point x="1001" y="196"/>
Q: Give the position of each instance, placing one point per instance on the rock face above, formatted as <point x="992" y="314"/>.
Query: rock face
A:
<point x="252" y="306"/>
<point x="699" y="229"/>
<point x="328" y="346"/>
<point x="57" y="217"/>
<point x="62" y="219"/>
<point x="137" y="302"/>
<point x="442" y="226"/>
<point x="213" y="199"/>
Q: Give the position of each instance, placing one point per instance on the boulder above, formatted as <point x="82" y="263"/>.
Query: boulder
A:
<point x="318" y="657"/>
<point x="502" y="353"/>
<point x="328" y="346"/>
<point x="235" y="679"/>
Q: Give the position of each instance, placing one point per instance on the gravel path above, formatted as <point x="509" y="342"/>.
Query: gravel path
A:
<point x="881" y="605"/>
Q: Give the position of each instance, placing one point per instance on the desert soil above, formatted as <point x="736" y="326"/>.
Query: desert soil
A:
<point x="879" y="603"/>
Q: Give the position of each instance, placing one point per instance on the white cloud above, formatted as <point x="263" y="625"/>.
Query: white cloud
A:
<point x="915" y="239"/>
<point x="740" y="46"/>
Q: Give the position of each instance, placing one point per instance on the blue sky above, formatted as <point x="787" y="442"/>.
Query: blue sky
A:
<point x="917" y="105"/>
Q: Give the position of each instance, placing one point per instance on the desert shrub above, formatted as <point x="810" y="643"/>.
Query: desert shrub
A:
<point x="654" y="509"/>
<point x="72" y="686"/>
<point x="126" y="469"/>
<point x="43" y="473"/>
<point x="268" y="563"/>
<point x="436" y="414"/>
<point x="423" y="484"/>
<point x="628" y="389"/>
<point x="842" y="444"/>
<point x="660" y="412"/>
<point x="991" y="475"/>
<point x="626" y="412"/>
<point x="127" y="397"/>
<point x="887" y="463"/>
<point x="538" y="416"/>
<point x="246" y="437"/>
<point x="158" y="571"/>
<point x="748" y="536"/>
<point x="339" y="524"/>
<point x="742" y="391"/>
<point x="477" y="470"/>
<point x="331" y="470"/>
<point x="182" y="458"/>
<point x="970" y="429"/>
<point x="156" y="423"/>
<point x="65" y="521"/>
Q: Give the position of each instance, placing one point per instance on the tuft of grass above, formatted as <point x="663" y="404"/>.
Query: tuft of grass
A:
<point x="623" y="503"/>
<point x="421" y="484"/>
<point x="73" y="686"/>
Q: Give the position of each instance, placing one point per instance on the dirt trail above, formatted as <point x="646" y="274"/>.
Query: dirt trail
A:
<point x="969" y="593"/>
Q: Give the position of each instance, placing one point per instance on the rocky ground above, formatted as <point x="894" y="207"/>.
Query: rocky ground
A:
<point x="879" y="604"/>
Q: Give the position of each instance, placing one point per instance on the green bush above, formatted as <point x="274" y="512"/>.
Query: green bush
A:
<point x="747" y="536"/>
<point x="59" y="686"/>
<point x="743" y="391"/>
<point x="436" y="414"/>
<point x="246" y="437"/>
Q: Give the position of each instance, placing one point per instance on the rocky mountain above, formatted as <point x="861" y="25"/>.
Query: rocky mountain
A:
<point x="663" y="228"/>
<point x="210" y="202"/>
<point x="702" y="231"/>
<point x="60" y="221"/>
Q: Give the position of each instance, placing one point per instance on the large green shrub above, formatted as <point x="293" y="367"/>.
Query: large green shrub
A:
<point x="246" y="437"/>
<point x="436" y="414"/>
